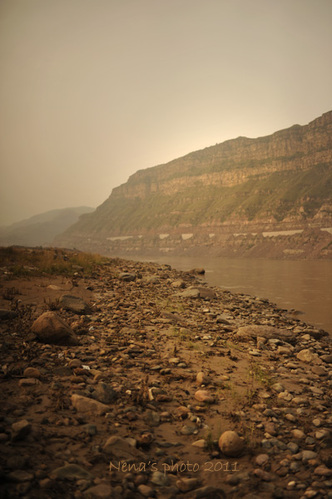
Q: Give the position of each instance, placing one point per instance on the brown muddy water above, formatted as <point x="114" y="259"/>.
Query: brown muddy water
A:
<point x="302" y="285"/>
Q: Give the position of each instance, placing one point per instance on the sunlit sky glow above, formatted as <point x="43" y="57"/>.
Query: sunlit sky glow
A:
<point x="93" y="90"/>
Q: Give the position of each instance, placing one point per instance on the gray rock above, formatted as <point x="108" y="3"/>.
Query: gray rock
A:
<point x="20" y="476"/>
<point x="198" y="292"/>
<point x="87" y="405"/>
<point x="268" y="332"/>
<point x="100" y="491"/>
<point x="327" y="358"/>
<point x="159" y="478"/>
<point x="104" y="393"/>
<point x="127" y="276"/>
<point x="6" y="315"/>
<point x="120" y="448"/>
<point x="20" y="429"/>
<point x="71" y="472"/>
<point x="308" y="454"/>
<point x="209" y="492"/>
<point x="307" y="355"/>
<point x="74" y="304"/>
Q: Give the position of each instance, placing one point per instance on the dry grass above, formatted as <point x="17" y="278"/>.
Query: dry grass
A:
<point x="37" y="261"/>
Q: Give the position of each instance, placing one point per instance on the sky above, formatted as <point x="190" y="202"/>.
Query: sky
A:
<point x="93" y="90"/>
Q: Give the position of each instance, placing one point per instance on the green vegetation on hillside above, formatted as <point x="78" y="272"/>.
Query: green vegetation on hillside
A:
<point x="279" y="194"/>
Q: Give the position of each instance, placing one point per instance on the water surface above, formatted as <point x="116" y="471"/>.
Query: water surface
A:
<point x="303" y="285"/>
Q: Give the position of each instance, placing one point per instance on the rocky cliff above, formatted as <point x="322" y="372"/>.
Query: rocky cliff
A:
<point x="247" y="190"/>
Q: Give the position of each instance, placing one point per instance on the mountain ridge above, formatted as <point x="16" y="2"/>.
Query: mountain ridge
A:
<point x="40" y="229"/>
<point x="278" y="182"/>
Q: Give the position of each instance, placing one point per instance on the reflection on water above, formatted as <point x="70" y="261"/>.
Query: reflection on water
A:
<point x="302" y="285"/>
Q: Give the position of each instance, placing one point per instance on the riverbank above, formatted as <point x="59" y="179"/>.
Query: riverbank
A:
<point x="303" y="286"/>
<point x="130" y="395"/>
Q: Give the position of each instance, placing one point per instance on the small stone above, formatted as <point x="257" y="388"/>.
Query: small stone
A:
<point x="182" y="412"/>
<point x="322" y="434"/>
<point x="71" y="472"/>
<point x="74" y="304"/>
<point x="20" y="476"/>
<point x="158" y="478"/>
<point x="100" y="491"/>
<point x="204" y="396"/>
<point x="262" y="459"/>
<point x="202" y="379"/>
<point x="7" y="314"/>
<point x="307" y="455"/>
<point x="231" y="444"/>
<point x="317" y="422"/>
<point x="209" y="492"/>
<point x="145" y="490"/>
<point x="3" y="437"/>
<point x="263" y="475"/>
<point x="298" y="434"/>
<point x="188" y="430"/>
<point x="20" y="429"/>
<point x="104" y="393"/>
<point x="285" y="396"/>
<point x="201" y="444"/>
<point x="75" y="363"/>
<point x="31" y="372"/>
<point x="186" y="484"/>
<point x="322" y="470"/>
<point x="152" y="418"/>
<point x="28" y="382"/>
<point x="320" y="371"/>
<point x="270" y="428"/>
<point x="127" y="276"/>
<point x="121" y="449"/>
<point x="85" y="404"/>
<point x="293" y="447"/>
<point x="278" y="387"/>
<point x="306" y="355"/>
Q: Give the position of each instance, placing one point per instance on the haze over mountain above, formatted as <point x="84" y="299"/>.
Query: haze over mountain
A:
<point x="41" y="229"/>
<point x="223" y="197"/>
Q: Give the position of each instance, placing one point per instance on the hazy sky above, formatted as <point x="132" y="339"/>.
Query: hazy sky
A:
<point x="93" y="90"/>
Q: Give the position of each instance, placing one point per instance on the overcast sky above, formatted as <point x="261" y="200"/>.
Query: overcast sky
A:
<point x="93" y="90"/>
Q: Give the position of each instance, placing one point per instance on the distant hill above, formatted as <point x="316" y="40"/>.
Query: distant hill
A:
<point x="40" y="230"/>
<point x="241" y="189"/>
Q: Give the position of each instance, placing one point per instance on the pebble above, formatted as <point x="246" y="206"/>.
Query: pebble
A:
<point x="145" y="490"/>
<point x="262" y="459"/>
<point x="70" y="472"/>
<point x="158" y="478"/>
<point x="20" y="476"/>
<point x="204" y="396"/>
<point x="31" y="372"/>
<point x="307" y="355"/>
<point x="20" y="429"/>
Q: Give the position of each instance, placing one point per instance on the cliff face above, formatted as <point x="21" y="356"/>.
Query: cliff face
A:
<point x="281" y="182"/>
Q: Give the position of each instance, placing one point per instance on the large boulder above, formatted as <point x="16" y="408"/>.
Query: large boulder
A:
<point x="50" y="328"/>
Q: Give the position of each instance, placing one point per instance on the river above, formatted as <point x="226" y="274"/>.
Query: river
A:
<point x="303" y="285"/>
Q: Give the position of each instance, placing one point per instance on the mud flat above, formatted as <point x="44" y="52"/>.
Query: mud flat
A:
<point x="126" y="379"/>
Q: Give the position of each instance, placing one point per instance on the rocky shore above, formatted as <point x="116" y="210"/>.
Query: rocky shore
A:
<point x="133" y="380"/>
